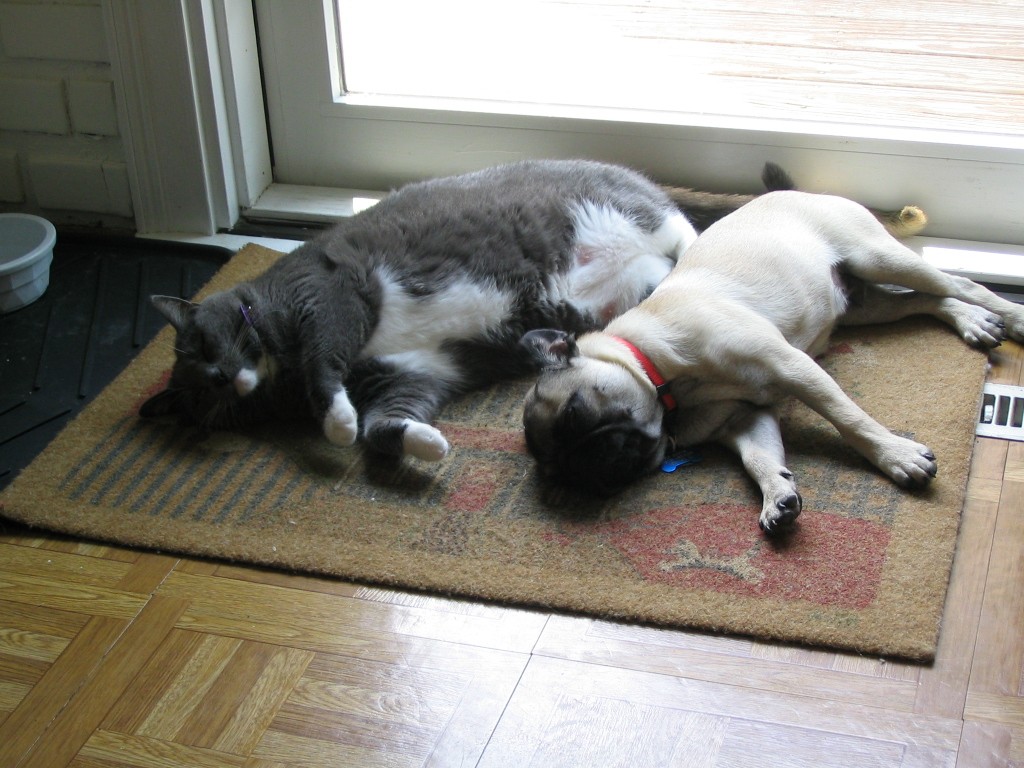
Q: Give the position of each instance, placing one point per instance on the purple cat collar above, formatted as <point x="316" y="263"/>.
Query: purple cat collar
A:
<point x="247" y="314"/>
<point x="660" y="385"/>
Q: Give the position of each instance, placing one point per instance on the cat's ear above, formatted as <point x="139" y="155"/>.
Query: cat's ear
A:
<point x="174" y="310"/>
<point x="549" y="348"/>
<point x="164" y="403"/>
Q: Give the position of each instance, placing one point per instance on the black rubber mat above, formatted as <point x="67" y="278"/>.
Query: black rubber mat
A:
<point x="59" y="352"/>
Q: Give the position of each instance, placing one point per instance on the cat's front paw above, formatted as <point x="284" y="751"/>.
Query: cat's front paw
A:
<point x="423" y="441"/>
<point x="341" y="424"/>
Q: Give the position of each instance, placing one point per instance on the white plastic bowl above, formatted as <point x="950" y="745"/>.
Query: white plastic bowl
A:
<point x="26" y="250"/>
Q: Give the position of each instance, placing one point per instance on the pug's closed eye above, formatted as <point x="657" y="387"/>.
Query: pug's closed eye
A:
<point x="576" y="416"/>
<point x="580" y="417"/>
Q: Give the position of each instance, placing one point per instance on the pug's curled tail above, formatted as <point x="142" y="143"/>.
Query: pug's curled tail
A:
<point x="705" y="208"/>
<point x="907" y="221"/>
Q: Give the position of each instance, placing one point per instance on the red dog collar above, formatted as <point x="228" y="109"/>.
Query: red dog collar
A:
<point x="660" y="385"/>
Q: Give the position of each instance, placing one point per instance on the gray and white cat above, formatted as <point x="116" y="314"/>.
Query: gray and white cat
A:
<point x="378" y="322"/>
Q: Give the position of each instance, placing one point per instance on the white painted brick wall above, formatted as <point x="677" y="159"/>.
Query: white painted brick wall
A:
<point x="34" y="104"/>
<point x="64" y="182"/>
<point x="11" y="190"/>
<point x="91" y="103"/>
<point x="60" y="150"/>
<point x="53" y="30"/>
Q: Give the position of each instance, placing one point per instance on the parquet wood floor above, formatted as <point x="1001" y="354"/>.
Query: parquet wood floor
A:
<point x="118" y="658"/>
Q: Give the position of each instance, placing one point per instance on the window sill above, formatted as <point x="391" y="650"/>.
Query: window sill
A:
<point x="984" y="262"/>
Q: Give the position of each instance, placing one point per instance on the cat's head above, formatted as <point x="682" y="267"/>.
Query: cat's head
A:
<point x="220" y="365"/>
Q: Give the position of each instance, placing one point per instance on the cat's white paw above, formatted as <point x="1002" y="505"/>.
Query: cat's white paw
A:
<point x="246" y="381"/>
<point x="341" y="424"/>
<point x="423" y="441"/>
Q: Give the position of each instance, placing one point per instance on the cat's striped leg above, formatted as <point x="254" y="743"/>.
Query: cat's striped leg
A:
<point x="397" y="407"/>
<point x="398" y="435"/>
<point x="402" y="436"/>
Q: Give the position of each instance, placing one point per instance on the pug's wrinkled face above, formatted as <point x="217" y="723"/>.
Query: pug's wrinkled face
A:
<point x="589" y="422"/>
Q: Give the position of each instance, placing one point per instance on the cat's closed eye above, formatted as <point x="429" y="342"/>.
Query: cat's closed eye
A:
<point x="208" y="349"/>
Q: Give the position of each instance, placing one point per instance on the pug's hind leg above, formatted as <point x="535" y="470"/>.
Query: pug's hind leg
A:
<point x="754" y="434"/>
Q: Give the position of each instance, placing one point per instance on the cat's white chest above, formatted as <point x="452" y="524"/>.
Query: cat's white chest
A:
<point x="615" y="262"/>
<point x="411" y="329"/>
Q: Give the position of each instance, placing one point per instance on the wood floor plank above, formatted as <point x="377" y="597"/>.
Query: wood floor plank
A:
<point x="231" y="682"/>
<point x="942" y="688"/>
<point x="1007" y="364"/>
<point x="37" y="621"/>
<point x="64" y="679"/>
<point x="993" y="707"/>
<point x="63" y="566"/>
<point x="147" y="572"/>
<point x="175" y="710"/>
<point x="328" y="623"/>
<point x="310" y="752"/>
<point x="210" y="692"/>
<point x="437" y="706"/>
<point x="119" y="749"/>
<point x="544" y="723"/>
<point x="27" y="644"/>
<point x="251" y="716"/>
<point x="13" y="692"/>
<point x="987" y="745"/>
<point x="579" y="639"/>
<point x="20" y="535"/>
<point x="63" y="596"/>
<point x="19" y="672"/>
<point x="156" y="676"/>
<point x="987" y="464"/>
<point x="999" y="655"/>
<point x="75" y="723"/>
<point x="172" y="701"/>
<point x="307" y="583"/>
<point x="175" y="698"/>
<point x="197" y="566"/>
<point x="1014" y="471"/>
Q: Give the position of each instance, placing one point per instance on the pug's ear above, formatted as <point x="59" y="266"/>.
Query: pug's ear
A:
<point x="549" y="348"/>
<point x="174" y="310"/>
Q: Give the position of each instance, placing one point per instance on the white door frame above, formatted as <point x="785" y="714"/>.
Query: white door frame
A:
<point x="190" y="110"/>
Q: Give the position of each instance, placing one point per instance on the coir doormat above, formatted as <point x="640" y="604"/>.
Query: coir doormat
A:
<point x="865" y="569"/>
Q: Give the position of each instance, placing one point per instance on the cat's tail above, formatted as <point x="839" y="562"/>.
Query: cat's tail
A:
<point x="705" y="208"/>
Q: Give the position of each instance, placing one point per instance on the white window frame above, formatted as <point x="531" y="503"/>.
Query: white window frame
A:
<point x="199" y="152"/>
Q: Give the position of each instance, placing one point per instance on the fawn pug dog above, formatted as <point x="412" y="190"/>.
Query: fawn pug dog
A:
<point x="735" y="327"/>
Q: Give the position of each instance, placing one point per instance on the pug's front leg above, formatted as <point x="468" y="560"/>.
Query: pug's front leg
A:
<point x="754" y="434"/>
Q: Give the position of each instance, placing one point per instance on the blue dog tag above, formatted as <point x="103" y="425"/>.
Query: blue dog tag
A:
<point x="672" y="463"/>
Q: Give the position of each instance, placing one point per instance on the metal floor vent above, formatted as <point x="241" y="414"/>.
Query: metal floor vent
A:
<point x="1002" y="412"/>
